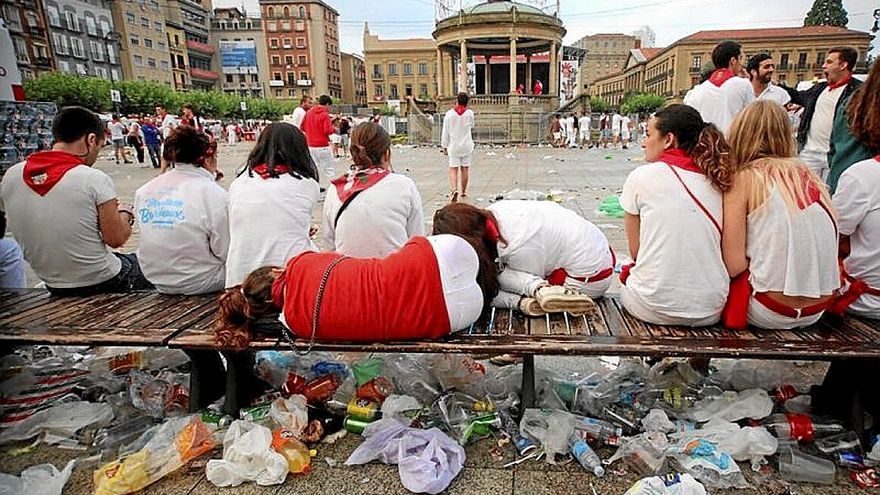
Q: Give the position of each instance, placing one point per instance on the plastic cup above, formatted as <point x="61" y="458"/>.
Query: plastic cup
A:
<point x="795" y="465"/>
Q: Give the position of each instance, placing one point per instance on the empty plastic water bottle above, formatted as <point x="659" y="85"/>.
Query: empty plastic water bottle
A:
<point x="586" y="457"/>
<point x="801" y="427"/>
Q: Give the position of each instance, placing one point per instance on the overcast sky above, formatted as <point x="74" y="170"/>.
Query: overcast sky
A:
<point x="670" y="19"/>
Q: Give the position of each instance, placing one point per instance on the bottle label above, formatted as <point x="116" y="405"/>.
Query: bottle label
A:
<point x="672" y="396"/>
<point x="580" y="447"/>
<point x="801" y="427"/>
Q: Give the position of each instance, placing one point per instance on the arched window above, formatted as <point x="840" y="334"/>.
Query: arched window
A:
<point x="271" y="12"/>
<point x="286" y="12"/>
<point x="302" y="12"/>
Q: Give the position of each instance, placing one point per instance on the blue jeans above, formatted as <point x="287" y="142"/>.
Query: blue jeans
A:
<point x="130" y="278"/>
<point x="12" y="274"/>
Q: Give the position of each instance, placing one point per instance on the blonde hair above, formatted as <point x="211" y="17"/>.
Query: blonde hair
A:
<point x="764" y="151"/>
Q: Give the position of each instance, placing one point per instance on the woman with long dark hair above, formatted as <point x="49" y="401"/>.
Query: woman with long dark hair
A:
<point x="271" y="203"/>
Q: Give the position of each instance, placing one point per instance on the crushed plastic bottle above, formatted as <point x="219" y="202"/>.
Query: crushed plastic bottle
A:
<point x="586" y="457"/>
<point x="297" y="455"/>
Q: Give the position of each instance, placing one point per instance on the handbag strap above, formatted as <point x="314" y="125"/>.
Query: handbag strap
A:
<point x="345" y="204"/>
<point x="694" y="197"/>
<point x="316" y="313"/>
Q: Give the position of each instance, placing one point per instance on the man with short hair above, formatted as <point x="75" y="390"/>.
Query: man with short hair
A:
<point x="584" y="128"/>
<point x="117" y="137"/>
<point x="604" y="130"/>
<point x="457" y="143"/>
<point x="625" y="131"/>
<point x="724" y="94"/>
<point x="191" y="119"/>
<point x="66" y="216"/>
<point x="165" y="121"/>
<point x="305" y="103"/>
<point x="317" y="127"/>
<point x="760" y="68"/>
<point x="821" y="104"/>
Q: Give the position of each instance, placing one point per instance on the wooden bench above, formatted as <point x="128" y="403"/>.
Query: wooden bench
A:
<point x="151" y="319"/>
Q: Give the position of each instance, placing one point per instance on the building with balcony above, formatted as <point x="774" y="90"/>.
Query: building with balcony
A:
<point x="398" y="69"/>
<point x="607" y="53"/>
<point x="84" y="38"/>
<point x="178" y="57"/>
<point x="241" y="45"/>
<point x="26" y="21"/>
<point x="141" y="28"/>
<point x="354" y="80"/>
<point x="670" y="72"/>
<point x="302" y="45"/>
<point x="193" y="17"/>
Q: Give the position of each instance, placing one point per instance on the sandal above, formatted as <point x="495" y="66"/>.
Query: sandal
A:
<point x="558" y="299"/>
<point x="529" y="306"/>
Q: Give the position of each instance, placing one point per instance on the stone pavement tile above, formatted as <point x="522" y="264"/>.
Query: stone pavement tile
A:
<point x="350" y="480"/>
<point x="482" y="481"/>
<point x="555" y="482"/>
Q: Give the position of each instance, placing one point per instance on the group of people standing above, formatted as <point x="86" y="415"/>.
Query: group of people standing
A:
<point x="574" y="131"/>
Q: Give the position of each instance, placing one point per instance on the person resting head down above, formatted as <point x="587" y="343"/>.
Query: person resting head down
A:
<point x="426" y="289"/>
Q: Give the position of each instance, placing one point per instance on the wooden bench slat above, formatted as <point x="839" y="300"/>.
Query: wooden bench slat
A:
<point x="25" y="304"/>
<point x="55" y="308"/>
<point x="104" y="316"/>
<point x="16" y="297"/>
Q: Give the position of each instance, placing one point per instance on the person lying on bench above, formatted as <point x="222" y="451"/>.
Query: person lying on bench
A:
<point x="780" y="234"/>
<point x="426" y="289"/>
<point x="65" y="214"/>
<point x="183" y="219"/>
<point x="553" y="259"/>
<point x="672" y="218"/>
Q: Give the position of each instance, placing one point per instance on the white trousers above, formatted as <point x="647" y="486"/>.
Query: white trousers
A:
<point x="643" y="312"/>
<point x="817" y="161"/>
<point x="324" y="162"/>
<point x="516" y="284"/>
<point x="458" y="265"/>
<point x="762" y="317"/>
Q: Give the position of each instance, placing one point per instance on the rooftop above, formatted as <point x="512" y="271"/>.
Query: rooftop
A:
<point x="784" y="32"/>
<point x="497" y="7"/>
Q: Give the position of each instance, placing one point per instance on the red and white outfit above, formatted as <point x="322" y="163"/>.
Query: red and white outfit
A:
<point x="547" y="242"/>
<point x="424" y="290"/>
<point x="458" y="124"/>
<point x="721" y="97"/>
<point x="386" y="212"/>
<point x="317" y="127"/>
<point x="857" y="201"/>
<point x="793" y="251"/>
<point x="679" y="277"/>
<point x="815" y="152"/>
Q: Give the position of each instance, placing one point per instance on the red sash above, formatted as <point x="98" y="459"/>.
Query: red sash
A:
<point x="558" y="276"/>
<point x="356" y="181"/>
<point x="44" y="169"/>
<point x="720" y="76"/>
<point x="263" y="170"/>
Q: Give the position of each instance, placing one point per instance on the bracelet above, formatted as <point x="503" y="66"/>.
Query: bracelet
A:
<point x="130" y="216"/>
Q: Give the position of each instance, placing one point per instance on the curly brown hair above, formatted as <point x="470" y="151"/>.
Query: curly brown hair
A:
<point x="701" y="140"/>
<point x="243" y="304"/>
<point x="864" y="111"/>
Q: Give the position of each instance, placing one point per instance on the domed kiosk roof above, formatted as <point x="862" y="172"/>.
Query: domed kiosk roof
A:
<point x="500" y="7"/>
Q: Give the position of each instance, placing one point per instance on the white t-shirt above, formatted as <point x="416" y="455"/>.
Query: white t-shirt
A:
<point x="819" y="135"/>
<point x="543" y="236"/>
<point x="679" y="272"/>
<point x="117" y="130"/>
<point x="615" y="122"/>
<point x="624" y="126"/>
<point x="59" y="232"/>
<point x="230" y="130"/>
<point x="167" y="125"/>
<point x="299" y="113"/>
<point x="721" y="105"/>
<point x="584" y="124"/>
<point x="857" y="201"/>
<point x="458" y="264"/>
<point x="269" y="221"/>
<point x="774" y="93"/>
<point x="456" y="136"/>
<point x="184" y="231"/>
<point x="378" y="221"/>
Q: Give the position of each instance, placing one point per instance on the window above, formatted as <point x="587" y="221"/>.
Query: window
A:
<point x="145" y="22"/>
<point x="286" y="11"/>
<point x="423" y="90"/>
<point x="299" y="26"/>
<point x="72" y="21"/>
<point x="273" y="43"/>
<point x="79" y="49"/>
<point x="407" y="69"/>
<point x="277" y="93"/>
<point x="54" y="18"/>
<point x="285" y="25"/>
<point x="407" y="89"/>
<point x="276" y="60"/>
<point x="148" y="43"/>
<point x="64" y="66"/>
<point x="135" y="40"/>
<point x="393" y="91"/>
<point x="157" y="26"/>
<point x="302" y="12"/>
<point x="291" y="93"/>
<point x="97" y="51"/>
<point x="271" y="26"/>
<point x="114" y="74"/>
<point x="802" y="60"/>
<point x="91" y="26"/>
<point x="288" y="43"/>
<point x="379" y="90"/>
<point x="129" y="18"/>
<point x="151" y="62"/>
<point x="288" y="59"/>
<point x="276" y="76"/>
<point x="698" y="62"/>
<point x="783" y="61"/>
<point x="271" y="12"/>
<point x="304" y="75"/>
<point x="392" y="69"/>
<point x="138" y="60"/>
<point x="163" y="64"/>
<point x="303" y="60"/>
<point x="161" y="46"/>
<point x="60" y="42"/>
<point x="101" y="72"/>
<point x="423" y="69"/>
<point x="111" y="54"/>
<point x="300" y="42"/>
<point x="105" y="27"/>
<point x="229" y="78"/>
<point x="291" y="79"/>
<point x="81" y="70"/>
<point x="377" y="71"/>
<point x="820" y="58"/>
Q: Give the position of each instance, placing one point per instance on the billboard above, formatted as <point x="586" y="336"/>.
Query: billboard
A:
<point x="568" y="80"/>
<point x="238" y="57"/>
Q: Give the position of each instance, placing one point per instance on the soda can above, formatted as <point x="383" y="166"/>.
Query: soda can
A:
<point x="483" y="406"/>
<point x="217" y="419"/>
<point x="256" y="413"/>
<point x="363" y="409"/>
<point x="294" y="384"/>
<point x="322" y="388"/>
<point x="375" y="390"/>
<point x="354" y="425"/>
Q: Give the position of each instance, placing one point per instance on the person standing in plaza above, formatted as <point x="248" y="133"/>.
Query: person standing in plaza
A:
<point x="165" y="121"/>
<point x="299" y="113"/>
<point x="317" y="127"/>
<point x="615" y="128"/>
<point x="231" y="133"/>
<point x="584" y="130"/>
<point x="724" y="94"/>
<point x="344" y="131"/>
<point x="760" y="68"/>
<point x="571" y="130"/>
<point x="191" y="119"/>
<point x="821" y="105"/>
<point x="457" y="143"/>
<point x="604" y="130"/>
<point x="152" y="140"/>
<point x="625" y="131"/>
<point x="135" y="139"/>
<point x="117" y="137"/>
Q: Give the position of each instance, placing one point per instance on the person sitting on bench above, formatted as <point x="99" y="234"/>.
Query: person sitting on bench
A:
<point x="183" y="219"/>
<point x="780" y="234"/>
<point x="672" y="218"/>
<point x="426" y="289"/>
<point x="271" y="203"/>
<point x="554" y="260"/>
<point x="65" y="214"/>
<point x="371" y="211"/>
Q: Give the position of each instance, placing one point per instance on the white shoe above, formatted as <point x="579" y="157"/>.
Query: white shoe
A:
<point x="529" y="306"/>
<point x="558" y="299"/>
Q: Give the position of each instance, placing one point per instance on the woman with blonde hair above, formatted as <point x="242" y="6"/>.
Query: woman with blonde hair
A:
<point x="780" y="233"/>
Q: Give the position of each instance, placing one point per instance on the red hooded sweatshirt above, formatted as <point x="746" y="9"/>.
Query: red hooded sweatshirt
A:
<point x="316" y="126"/>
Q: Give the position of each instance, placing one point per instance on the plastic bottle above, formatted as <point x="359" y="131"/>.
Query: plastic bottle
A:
<point x="596" y="428"/>
<point x="801" y="427"/>
<point x="295" y="452"/>
<point x="322" y="388"/>
<point x="586" y="457"/>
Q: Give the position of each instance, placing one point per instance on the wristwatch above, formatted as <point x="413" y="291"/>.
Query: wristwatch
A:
<point x="130" y="215"/>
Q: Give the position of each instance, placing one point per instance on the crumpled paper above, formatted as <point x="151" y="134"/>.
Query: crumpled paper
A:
<point x="44" y="479"/>
<point x="427" y="460"/>
<point x="247" y="456"/>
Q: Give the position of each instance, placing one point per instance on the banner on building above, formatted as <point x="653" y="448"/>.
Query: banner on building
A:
<point x="238" y="57"/>
<point x="568" y="80"/>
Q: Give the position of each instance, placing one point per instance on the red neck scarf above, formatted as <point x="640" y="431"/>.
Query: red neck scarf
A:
<point x="492" y="232"/>
<point x="44" y="169"/>
<point x="263" y="170"/>
<point x="459" y="109"/>
<point x="813" y="193"/>
<point x="677" y="157"/>
<point x="720" y="76"/>
<point x="842" y="82"/>
<point x="877" y="158"/>
<point x="358" y="180"/>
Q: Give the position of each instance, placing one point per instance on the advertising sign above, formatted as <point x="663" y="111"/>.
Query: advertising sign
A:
<point x="238" y="57"/>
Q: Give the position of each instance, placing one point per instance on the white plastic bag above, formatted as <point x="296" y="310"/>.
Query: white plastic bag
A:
<point x="44" y="479"/>
<point x="751" y="443"/>
<point x="732" y="406"/>
<point x="550" y="429"/>
<point x="683" y="484"/>
<point x="704" y="461"/>
<point x="396" y="405"/>
<point x="247" y="456"/>
<point x="290" y="413"/>
<point x="657" y="420"/>
<point x="59" y="422"/>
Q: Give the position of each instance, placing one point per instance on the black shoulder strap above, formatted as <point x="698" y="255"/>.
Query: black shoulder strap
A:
<point x="344" y="206"/>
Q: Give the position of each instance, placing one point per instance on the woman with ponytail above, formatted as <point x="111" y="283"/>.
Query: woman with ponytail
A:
<point x="371" y="211"/>
<point x="780" y="232"/>
<point x="673" y="214"/>
<point x="551" y="259"/>
<point x="426" y="289"/>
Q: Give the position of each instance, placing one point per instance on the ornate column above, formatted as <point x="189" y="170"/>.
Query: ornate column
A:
<point x="439" y="73"/>
<point x="462" y="69"/>
<point x="528" y="73"/>
<point x="487" y="76"/>
<point x="513" y="65"/>
<point x="553" y="90"/>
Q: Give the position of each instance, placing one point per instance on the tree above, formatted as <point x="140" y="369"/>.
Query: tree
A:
<point x="598" y="104"/>
<point x="642" y="104"/>
<point x="68" y="89"/>
<point x="827" y="13"/>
